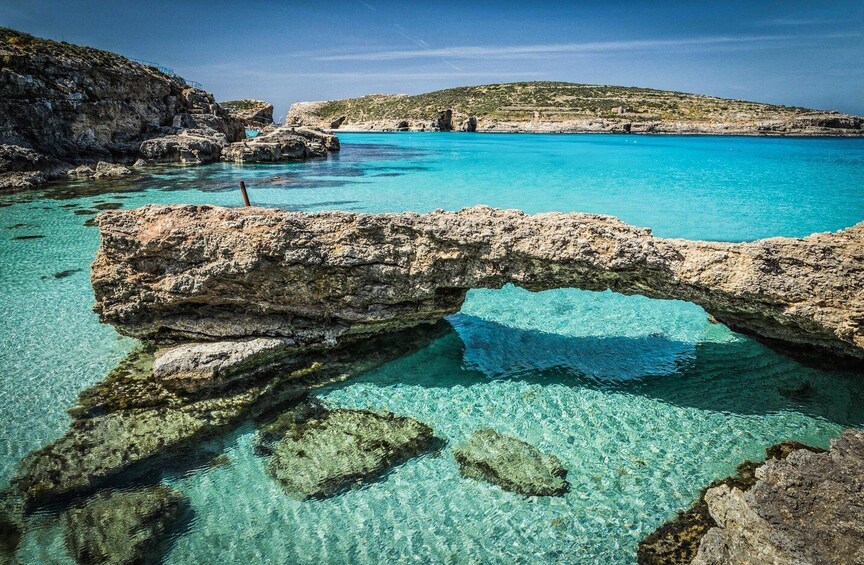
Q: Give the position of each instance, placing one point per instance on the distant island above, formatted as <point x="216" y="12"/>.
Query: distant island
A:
<point x="563" y="107"/>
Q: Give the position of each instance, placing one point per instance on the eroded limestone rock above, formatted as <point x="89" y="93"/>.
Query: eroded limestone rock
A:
<point x="133" y="421"/>
<point x="286" y="143"/>
<point x="322" y="456"/>
<point x="181" y="273"/>
<point x="511" y="464"/>
<point x="806" y="508"/>
<point x="190" y="367"/>
<point x="105" y="169"/>
<point x="122" y="527"/>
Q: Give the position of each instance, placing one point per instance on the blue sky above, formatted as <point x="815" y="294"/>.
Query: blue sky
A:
<point x="797" y="53"/>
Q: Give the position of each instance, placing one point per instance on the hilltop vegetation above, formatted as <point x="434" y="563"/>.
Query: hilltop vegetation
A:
<point x="562" y="106"/>
<point x="518" y="101"/>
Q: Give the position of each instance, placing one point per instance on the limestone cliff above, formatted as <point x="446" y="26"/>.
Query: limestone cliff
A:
<point x="62" y="105"/>
<point x="201" y="273"/>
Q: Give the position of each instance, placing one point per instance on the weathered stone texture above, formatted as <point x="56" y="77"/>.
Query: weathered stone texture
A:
<point x="203" y="273"/>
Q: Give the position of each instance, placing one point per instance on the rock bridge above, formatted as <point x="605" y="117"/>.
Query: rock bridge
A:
<point x="228" y="284"/>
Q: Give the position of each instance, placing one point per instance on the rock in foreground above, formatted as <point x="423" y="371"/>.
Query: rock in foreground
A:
<point x="203" y="273"/>
<point x="324" y="456"/>
<point x="806" y="508"/>
<point x="122" y="527"/>
<point x="511" y="464"/>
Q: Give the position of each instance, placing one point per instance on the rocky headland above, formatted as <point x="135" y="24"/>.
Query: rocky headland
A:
<point x="561" y="107"/>
<point x="64" y="107"/>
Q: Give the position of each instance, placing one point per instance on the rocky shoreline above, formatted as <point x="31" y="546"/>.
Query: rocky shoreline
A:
<point x="71" y="110"/>
<point x="802" y="505"/>
<point x="560" y="107"/>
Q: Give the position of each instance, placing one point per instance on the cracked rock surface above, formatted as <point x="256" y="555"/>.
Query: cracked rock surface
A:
<point x="175" y="274"/>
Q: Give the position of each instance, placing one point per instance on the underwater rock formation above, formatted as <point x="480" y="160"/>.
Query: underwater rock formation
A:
<point x="322" y="456"/>
<point x="174" y="274"/>
<point x="123" y="526"/>
<point x="805" y="508"/>
<point x="511" y="464"/>
<point x="134" y="421"/>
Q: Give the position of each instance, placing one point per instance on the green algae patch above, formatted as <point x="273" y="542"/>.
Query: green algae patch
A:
<point x="512" y="464"/>
<point x="122" y="527"/>
<point x="344" y="448"/>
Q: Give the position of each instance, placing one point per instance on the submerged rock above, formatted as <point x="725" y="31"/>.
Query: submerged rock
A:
<point x="11" y="531"/>
<point x="174" y="273"/>
<point x="323" y="456"/>
<point x="133" y="422"/>
<point x="123" y="526"/>
<point x="511" y="464"/>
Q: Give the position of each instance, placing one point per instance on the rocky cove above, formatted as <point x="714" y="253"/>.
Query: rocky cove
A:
<point x="74" y="110"/>
<point x="262" y="323"/>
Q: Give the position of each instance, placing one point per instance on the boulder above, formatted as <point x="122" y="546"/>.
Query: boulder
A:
<point x="188" y="147"/>
<point x="287" y="143"/>
<point x="123" y="526"/>
<point x="335" y="124"/>
<point x="81" y="171"/>
<point x="323" y="456"/>
<point x="470" y="124"/>
<point x="258" y="152"/>
<point x="140" y="163"/>
<point x="191" y="367"/>
<point x="104" y="169"/>
<point x="511" y="463"/>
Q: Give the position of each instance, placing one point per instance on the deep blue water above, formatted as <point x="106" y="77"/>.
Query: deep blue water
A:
<point x="644" y="401"/>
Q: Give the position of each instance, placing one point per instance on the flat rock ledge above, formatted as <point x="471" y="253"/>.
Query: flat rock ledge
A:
<point x="511" y="463"/>
<point x="325" y="455"/>
<point x="802" y="505"/>
<point x="190" y="274"/>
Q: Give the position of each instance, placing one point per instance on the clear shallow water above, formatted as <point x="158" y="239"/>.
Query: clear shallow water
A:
<point x="644" y="401"/>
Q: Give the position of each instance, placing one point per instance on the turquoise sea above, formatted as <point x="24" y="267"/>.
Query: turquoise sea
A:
<point x="644" y="401"/>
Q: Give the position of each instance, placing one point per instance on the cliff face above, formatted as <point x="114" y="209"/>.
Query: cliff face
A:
<point x="200" y="273"/>
<point x="559" y="107"/>
<point x="73" y="102"/>
<point x="63" y="105"/>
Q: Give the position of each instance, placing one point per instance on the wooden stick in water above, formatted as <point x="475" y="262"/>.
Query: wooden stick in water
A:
<point x="245" y="195"/>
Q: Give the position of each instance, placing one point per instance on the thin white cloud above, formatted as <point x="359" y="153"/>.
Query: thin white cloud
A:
<point x="541" y="50"/>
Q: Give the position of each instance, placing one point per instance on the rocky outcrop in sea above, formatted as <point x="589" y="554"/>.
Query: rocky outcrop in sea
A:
<point x="63" y="105"/>
<point x="511" y="464"/>
<point x="188" y="274"/>
<point x="802" y="505"/>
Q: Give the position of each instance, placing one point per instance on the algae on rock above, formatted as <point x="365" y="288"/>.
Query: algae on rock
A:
<point x="323" y="456"/>
<point x="511" y="464"/>
<point x="123" y="526"/>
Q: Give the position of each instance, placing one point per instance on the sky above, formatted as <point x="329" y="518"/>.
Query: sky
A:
<point x="793" y="52"/>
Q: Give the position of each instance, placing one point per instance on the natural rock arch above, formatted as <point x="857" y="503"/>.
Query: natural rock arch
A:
<point x="201" y="273"/>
